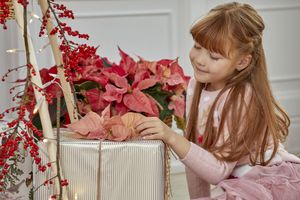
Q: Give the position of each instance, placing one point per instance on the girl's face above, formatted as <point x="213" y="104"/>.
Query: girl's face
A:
<point x="210" y="67"/>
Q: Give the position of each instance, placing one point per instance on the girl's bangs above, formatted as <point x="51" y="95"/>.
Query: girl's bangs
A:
<point x="212" y="33"/>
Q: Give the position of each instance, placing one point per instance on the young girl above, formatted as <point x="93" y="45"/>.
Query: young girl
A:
<point x="235" y="127"/>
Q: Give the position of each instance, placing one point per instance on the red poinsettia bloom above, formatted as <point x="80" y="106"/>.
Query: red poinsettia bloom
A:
<point x="46" y="76"/>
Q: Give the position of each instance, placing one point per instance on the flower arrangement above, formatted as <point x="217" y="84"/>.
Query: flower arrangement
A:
<point x="152" y="88"/>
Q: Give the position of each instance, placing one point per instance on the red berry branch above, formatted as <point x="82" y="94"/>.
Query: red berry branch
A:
<point x="21" y="130"/>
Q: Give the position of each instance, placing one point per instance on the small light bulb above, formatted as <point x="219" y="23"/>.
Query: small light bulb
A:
<point x="11" y="50"/>
<point x="38" y="105"/>
<point x="75" y="196"/>
<point x="34" y="15"/>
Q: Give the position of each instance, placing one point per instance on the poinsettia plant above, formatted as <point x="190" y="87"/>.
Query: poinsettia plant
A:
<point x="152" y="88"/>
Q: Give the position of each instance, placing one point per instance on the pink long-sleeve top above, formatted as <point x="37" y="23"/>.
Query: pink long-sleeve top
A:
<point x="202" y="168"/>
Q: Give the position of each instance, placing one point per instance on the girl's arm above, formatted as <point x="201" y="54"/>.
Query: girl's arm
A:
<point x="206" y="166"/>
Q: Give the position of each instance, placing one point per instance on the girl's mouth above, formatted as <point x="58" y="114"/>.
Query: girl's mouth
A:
<point x="200" y="70"/>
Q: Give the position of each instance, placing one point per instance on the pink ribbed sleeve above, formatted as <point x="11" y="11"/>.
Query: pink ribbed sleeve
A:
<point x="206" y="166"/>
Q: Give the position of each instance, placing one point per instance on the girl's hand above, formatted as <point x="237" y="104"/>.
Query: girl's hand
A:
<point x="152" y="128"/>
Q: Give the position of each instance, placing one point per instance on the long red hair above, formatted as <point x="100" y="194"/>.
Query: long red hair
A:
<point x="238" y="27"/>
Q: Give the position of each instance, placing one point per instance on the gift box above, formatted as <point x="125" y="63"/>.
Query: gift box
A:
<point x="107" y="170"/>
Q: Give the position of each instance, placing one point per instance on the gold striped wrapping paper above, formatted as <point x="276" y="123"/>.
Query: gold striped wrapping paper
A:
<point x="131" y="170"/>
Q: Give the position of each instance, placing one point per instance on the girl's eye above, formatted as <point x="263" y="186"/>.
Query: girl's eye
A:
<point x="214" y="58"/>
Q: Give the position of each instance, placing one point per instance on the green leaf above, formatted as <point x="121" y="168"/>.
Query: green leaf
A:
<point x="180" y="122"/>
<point x="106" y="64"/>
<point x="87" y="85"/>
<point x="162" y="97"/>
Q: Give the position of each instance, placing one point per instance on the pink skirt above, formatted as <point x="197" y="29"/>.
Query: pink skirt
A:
<point x="275" y="182"/>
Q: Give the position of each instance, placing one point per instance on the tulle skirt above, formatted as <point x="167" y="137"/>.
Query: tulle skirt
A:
<point x="279" y="181"/>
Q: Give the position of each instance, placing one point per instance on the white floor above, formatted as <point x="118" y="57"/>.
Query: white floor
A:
<point x="179" y="187"/>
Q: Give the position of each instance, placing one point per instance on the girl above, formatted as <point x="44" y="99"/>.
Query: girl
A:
<point x="234" y="137"/>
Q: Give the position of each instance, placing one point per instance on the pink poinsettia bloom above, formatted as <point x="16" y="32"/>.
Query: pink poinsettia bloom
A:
<point x="122" y="128"/>
<point x="116" y="128"/>
<point x="170" y="74"/>
<point x="133" y="97"/>
<point x="91" y="125"/>
<point x="92" y="73"/>
<point x="114" y="93"/>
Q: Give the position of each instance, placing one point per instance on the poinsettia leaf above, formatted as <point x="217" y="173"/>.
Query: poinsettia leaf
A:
<point x="90" y="122"/>
<point x="87" y="85"/>
<point x="127" y="62"/>
<point x="113" y="93"/>
<point x="138" y="101"/>
<point x="146" y="83"/>
<point x="94" y="98"/>
<point x="177" y="104"/>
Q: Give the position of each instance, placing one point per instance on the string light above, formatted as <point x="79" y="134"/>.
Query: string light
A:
<point x="14" y="50"/>
<point x="75" y="196"/>
<point x="43" y="47"/>
<point x="33" y="16"/>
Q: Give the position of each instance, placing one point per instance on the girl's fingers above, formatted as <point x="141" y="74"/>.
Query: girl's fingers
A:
<point x="148" y="131"/>
<point x="150" y="137"/>
<point x="140" y="126"/>
<point x="147" y="119"/>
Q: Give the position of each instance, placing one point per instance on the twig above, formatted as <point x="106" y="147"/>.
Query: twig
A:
<point x="58" y="143"/>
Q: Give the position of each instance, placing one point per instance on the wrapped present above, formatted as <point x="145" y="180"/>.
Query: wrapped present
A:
<point x="107" y="170"/>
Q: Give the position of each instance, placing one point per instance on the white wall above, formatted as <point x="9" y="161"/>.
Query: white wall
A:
<point x="156" y="29"/>
<point x="6" y="61"/>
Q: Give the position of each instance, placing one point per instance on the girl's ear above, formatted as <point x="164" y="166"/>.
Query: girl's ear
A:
<point x="243" y="62"/>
